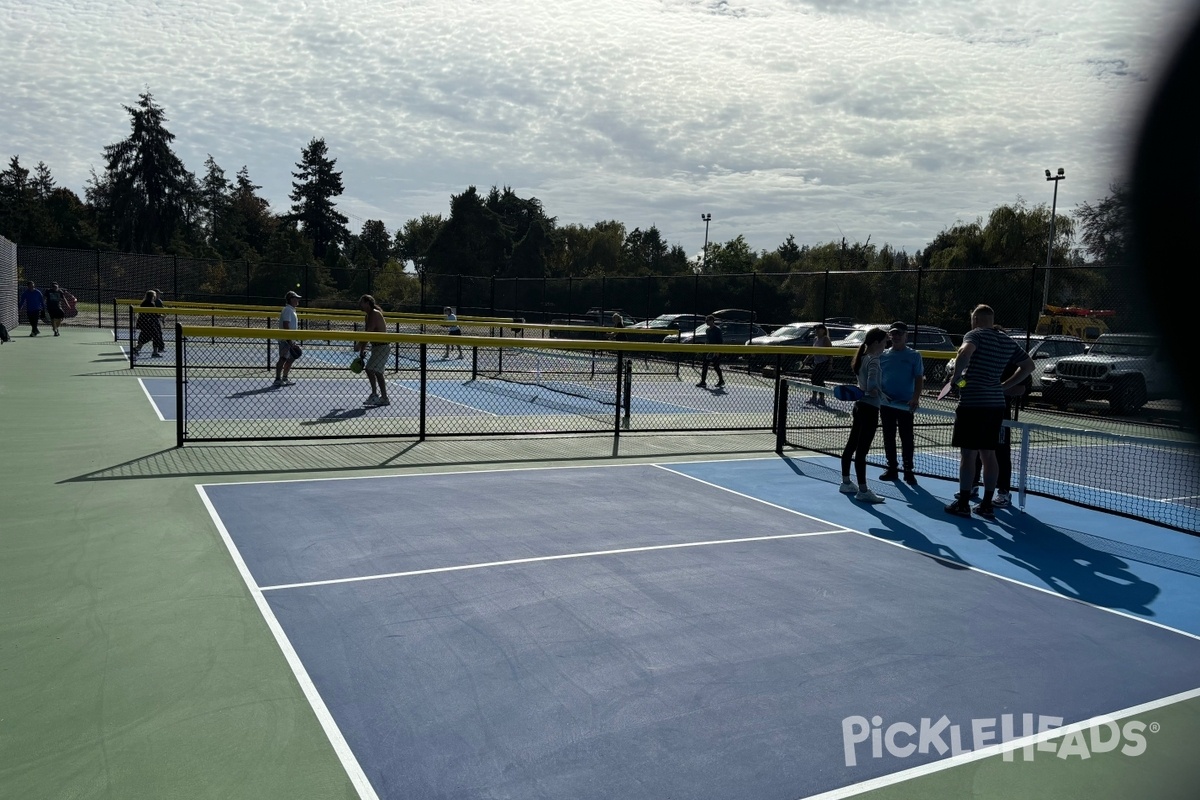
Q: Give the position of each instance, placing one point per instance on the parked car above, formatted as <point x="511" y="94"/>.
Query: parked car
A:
<point x="594" y="317"/>
<point x="937" y="340"/>
<point x="672" y="323"/>
<point x="795" y="334"/>
<point x="927" y="338"/>
<point x="840" y="365"/>
<point x="1045" y="352"/>
<point x="731" y="333"/>
<point x="1126" y="369"/>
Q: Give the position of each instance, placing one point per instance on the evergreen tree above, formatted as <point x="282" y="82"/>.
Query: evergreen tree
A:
<point x="150" y="195"/>
<point x="17" y="202"/>
<point x="376" y="242"/>
<point x="214" y="204"/>
<point x="251" y="224"/>
<point x="313" y="193"/>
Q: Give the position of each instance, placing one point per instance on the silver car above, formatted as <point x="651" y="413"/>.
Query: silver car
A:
<point x="1045" y="352"/>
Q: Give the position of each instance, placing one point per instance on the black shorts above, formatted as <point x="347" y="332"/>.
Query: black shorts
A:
<point x="55" y="311"/>
<point x="977" y="428"/>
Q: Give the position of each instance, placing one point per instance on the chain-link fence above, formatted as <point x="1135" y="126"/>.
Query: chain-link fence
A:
<point x="937" y="298"/>
<point x="8" y="284"/>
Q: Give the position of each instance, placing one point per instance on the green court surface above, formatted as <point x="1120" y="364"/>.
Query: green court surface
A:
<point x="134" y="662"/>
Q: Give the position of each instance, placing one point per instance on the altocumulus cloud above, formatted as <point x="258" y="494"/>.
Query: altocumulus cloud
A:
<point x="890" y="119"/>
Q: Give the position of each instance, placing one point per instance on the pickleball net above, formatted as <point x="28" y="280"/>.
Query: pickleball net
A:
<point x="1153" y="474"/>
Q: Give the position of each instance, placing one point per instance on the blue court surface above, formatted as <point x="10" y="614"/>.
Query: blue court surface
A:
<point x="700" y="630"/>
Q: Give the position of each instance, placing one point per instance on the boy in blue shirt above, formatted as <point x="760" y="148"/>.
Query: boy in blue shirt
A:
<point x="903" y="378"/>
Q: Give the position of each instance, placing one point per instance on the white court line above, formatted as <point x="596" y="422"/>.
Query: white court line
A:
<point x="354" y="770"/>
<point x="1178" y="499"/>
<point x="541" y="559"/>
<point x="962" y="564"/>
<point x="998" y="749"/>
<point x="150" y="397"/>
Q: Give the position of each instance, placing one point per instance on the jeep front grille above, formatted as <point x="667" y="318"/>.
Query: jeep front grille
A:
<point x="1082" y="371"/>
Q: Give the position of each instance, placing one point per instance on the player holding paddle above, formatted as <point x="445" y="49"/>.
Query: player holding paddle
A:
<point x="379" y="352"/>
<point x="979" y="417"/>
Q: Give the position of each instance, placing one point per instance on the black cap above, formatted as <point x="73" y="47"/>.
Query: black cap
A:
<point x="899" y="326"/>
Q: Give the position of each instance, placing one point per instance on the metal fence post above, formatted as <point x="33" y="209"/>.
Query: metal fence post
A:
<point x="180" y="428"/>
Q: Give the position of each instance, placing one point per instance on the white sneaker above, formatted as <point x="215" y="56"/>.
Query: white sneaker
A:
<point x="1002" y="500"/>
<point x="848" y="487"/>
<point x="867" y="496"/>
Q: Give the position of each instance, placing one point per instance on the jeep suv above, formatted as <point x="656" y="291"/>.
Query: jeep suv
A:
<point x="1126" y="369"/>
<point x="1047" y="351"/>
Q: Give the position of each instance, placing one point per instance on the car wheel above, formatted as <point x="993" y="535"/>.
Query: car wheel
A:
<point x="1056" y="398"/>
<point x="1129" y="396"/>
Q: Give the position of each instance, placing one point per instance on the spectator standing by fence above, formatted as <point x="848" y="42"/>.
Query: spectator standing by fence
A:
<point x="34" y="304"/>
<point x="821" y="364"/>
<point x="712" y="335"/>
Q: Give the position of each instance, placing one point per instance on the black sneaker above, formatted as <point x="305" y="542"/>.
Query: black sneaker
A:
<point x="959" y="509"/>
<point x="720" y="384"/>
<point x="910" y="478"/>
<point x="985" y="510"/>
<point x="702" y="385"/>
<point x="890" y="474"/>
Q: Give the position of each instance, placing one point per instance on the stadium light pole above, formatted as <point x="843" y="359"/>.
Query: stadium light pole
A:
<point x="1050" y="245"/>
<point x="707" y="219"/>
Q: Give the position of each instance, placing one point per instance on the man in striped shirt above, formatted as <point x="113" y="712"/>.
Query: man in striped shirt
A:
<point x="979" y="418"/>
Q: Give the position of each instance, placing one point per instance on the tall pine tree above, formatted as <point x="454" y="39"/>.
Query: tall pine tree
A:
<point x="150" y="194"/>
<point x="313" y="193"/>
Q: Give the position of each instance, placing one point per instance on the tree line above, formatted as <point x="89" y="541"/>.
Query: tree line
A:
<point x="146" y="200"/>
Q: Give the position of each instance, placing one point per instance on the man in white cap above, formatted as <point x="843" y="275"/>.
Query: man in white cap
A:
<point x="288" y="321"/>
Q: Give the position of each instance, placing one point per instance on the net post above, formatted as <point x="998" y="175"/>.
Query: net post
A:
<point x="179" y="384"/>
<point x="627" y="398"/>
<point x="620" y="374"/>
<point x="424" y="389"/>
<point x="781" y="405"/>
<point x="1024" y="471"/>
<point x="395" y="350"/>
<point x="268" y="341"/>
<point x="116" y="317"/>
<point x="775" y="408"/>
<point x="132" y="351"/>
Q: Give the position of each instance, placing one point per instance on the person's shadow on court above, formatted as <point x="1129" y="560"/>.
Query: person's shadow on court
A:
<point x="253" y="392"/>
<point x="893" y="530"/>
<point x="1059" y="562"/>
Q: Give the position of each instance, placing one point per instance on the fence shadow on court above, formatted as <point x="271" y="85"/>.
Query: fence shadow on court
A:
<point x="286" y="458"/>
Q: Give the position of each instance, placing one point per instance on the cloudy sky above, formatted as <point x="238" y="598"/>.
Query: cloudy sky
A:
<point x="892" y="119"/>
